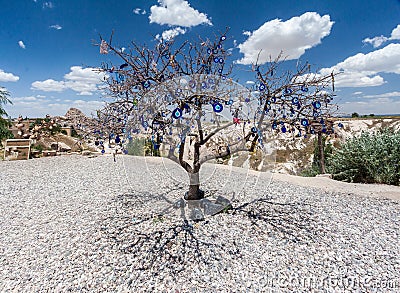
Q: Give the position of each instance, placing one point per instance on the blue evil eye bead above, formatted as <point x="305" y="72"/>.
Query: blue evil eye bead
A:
<point x="324" y="130"/>
<point x="215" y="51"/>
<point x="101" y="143"/>
<point x="177" y="113"/>
<point x="316" y="104"/>
<point x="146" y="84"/>
<point x="103" y="151"/>
<point x="218" y="107"/>
<point x="247" y="100"/>
<point x="125" y="152"/>
<point x="274" y="125"/>
<point x="288" y="91"/>
<point x="283" y="129"/>
<point x="204" y="85"/>
<point x="322" y="121"/>
<point x="304" y="122"/>
<point x="209" y="51"/>
<point x="216" y="60"/>
<point x="261" y="87"/>
<point x="145" y="124"/>
<point x="295" y="100"/>
<point x="219" y="70"/>
<point x="340" y="125"/>
<point x="304" y="88"/>
<point x="222" y="38"/>
<point x="273" y="99"/>
<point x="221" y="60"/>
<point x="219" y="46"/>
<point x="254" y="129"/>
<point x="315" y="114"/>
<point x="117" y="139"/>
<point x="192" y="83"/>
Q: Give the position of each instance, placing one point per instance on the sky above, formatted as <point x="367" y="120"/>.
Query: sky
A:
<point x="48" y="56"/>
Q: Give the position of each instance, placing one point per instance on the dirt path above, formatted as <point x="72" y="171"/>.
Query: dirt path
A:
<point x="373" y="190"/>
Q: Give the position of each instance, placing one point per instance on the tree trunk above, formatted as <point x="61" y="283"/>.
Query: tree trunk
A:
<point x="194" y="192"/>
<point x="321" y="154"/>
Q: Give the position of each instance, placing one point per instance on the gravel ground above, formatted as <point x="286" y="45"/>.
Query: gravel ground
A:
<point x="75" y="223"/>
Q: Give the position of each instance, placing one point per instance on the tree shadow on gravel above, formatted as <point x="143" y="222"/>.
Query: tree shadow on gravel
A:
<point x="160" y="244"/>
<point x="292" y="221"/>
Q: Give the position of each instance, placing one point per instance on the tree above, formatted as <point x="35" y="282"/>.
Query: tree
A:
<point x="183" y="97"/>
<point x="355" y="115"/>
<point x="4" y="122"/>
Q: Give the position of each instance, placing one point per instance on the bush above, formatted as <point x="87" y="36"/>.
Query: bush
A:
<point x="368" y="158"/>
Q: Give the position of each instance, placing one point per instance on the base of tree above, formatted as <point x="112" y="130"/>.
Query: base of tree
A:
<point x="197" y="210"/>
<point x="197" y="196"/>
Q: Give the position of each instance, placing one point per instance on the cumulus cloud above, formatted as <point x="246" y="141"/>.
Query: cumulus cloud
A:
<point x="85" y="81"/>
<point x="379" y="40"/>
<point x="395" y="35"/>
<point x="362" y="70"/>
<point x="177" y="12"/>
<point x="172" y="33"/>
<point x="21" y="44"/>
<point x="293" y="37"/>
<point x="49" y="85"/>
<point x="56" y="26"/>
<point x="5" y="76"/>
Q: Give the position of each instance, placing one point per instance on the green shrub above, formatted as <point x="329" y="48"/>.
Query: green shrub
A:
<point x="136" y="147"/>
<point x="368" y="158"/>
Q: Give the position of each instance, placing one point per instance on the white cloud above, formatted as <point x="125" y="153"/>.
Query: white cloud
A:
<point x="49" y="85"/>
<point x="361" y="70"/>
<point x="177" y="12"/>
<point x="48" y="4"/>
<point x="21" y="44"/>
<point x="172" y="33"/>
<point x="395" y="35"/>
<point x="377" y="106"/>
<point x="85" y="81"/>
<point x="136" y="10"/>
<point x="56" y="26"/>
<point x="247" y="33"/>
<point x="5" y="76"/>
<point x="28" y="106"/>
<point x="357" y="93"/>
<point x="378" y="41"/>
<point x="293" y="37"/>
<point x="385" y="95"/>
<point x="250" y="82"/>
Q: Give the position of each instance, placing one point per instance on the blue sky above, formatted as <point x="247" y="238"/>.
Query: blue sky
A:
<point x="47" y="52"/>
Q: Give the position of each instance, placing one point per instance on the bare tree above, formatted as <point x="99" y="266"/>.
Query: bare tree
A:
<point x="184" y="97"/>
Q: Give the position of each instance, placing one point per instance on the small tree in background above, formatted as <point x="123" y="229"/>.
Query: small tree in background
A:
<point x="184" y="98"/>
<point x="4" y="119"/>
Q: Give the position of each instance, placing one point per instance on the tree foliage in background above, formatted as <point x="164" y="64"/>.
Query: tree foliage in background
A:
<point x="4" y="119"/>
<point x="368" y="158"/>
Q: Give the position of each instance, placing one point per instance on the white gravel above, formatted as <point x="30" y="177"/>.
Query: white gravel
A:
<point x="75" y="223"/>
